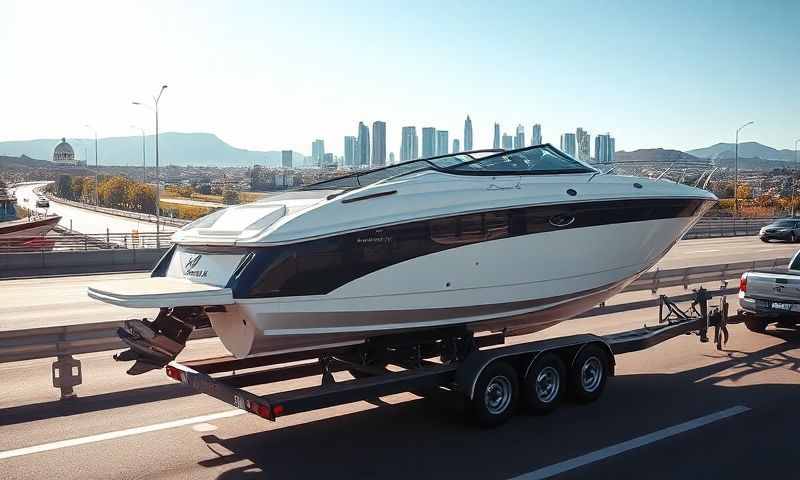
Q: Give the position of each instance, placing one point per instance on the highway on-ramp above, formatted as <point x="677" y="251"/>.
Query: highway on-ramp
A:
<point x="83" y="220"/>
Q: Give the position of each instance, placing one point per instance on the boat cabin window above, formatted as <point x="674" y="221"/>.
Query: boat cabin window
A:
<point x="537" y="160"/>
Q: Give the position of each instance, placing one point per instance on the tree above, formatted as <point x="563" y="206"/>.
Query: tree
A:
<point x="76" y="188"/>
<point x="114" y="192"/>
<point x="63" y="187"/>
<point x="185" y="191"/>
<point x="141" y="198"/>
<point x="230" y="197"/>
<point x="204" y="189"/>
<point x="743" y="191"/>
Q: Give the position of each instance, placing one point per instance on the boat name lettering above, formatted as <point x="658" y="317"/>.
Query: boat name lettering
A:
<point x="382" y="239"/>
<point x="193" y="261"/>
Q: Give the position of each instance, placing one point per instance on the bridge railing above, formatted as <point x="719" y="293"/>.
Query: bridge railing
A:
<point x="65" y="241"/>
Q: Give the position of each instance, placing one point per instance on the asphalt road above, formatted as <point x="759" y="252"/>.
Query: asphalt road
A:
<point x="42" y="302"/>
<point x="679" y="410"/>
<point x="84" y="220"/>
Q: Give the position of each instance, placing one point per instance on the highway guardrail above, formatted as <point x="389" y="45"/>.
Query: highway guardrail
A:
<point x="709" y="227"/>
<point x="145" y="217"/>
<point x="65" y="341"/>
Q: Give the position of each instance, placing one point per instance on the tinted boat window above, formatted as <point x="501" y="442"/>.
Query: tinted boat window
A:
<point x="541" y="160"/>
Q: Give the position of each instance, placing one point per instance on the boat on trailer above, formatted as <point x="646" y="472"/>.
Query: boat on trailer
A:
<point x="501" y="241"/>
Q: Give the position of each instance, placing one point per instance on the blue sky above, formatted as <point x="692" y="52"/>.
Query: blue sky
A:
<point x="277" y="75"/>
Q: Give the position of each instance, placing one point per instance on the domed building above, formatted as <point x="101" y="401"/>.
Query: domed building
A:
<point x="63" y="154"/>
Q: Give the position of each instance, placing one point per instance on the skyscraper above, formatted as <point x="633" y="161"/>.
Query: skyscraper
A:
<point x="519" y="138"/>
<point x="604" y="148"/>
<point x="582" y="141"/>
<point x="456" y="145"/>
<point x="467" y="134"/>
<point x="508" y="142"/>
<point x="391" y="158"/>
<point x="568" y="144"/>
<point x="286" y="158"/>
<point x="536" y="135"/>
<point x="363" y="146"/>
<point x="318" y="152"/>
<point x="349" y="151"/>
<point x="408" y="144"/>
<point x="496" y="141"/>
<point x="442" y="143"/>
<point x="378" y="144"/>
<point x="328" y="160"/>
<point x="428" y="142"/>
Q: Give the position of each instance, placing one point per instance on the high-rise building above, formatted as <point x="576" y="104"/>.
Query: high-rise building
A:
<point x="317" y="152"/>
<point x="536" y="135"/>
<point x="568" y="144"/>
<point x="391" y="158"/>
<point x="519" y="138"/>
<point x="286" y="158"/>
<point x="508" y="142"/>
<point x="604" y="148"/>
<point x="328" y="160"/>
<point x="582" y="141"/>
<point x="363" y="159"/>
<point x="378" y="144"/>
<point x="467" y="134"/>
<point x="350" y="151"/>
<point x="428" y="142"/>
<point x="456" y="145"/>
<point x="408" y="144"/>
<point x="496" y="141"/>
<point x="442" y="142"/>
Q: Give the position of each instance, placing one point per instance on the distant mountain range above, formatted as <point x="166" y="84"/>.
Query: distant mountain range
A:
<point x="746" y="150"/>
<point x="196" y="149"/>
<point x="653" y="155"/>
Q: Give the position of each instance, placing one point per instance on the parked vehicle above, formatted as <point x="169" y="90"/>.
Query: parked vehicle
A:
<point x="787" y="229"/>
<point x="767" y="297"/>
<point x="42" y="202"/>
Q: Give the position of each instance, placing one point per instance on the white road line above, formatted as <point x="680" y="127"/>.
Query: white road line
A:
<point x="117" y="434"/>
<point x="623" y="447"/>
<point x="703" y="251"/>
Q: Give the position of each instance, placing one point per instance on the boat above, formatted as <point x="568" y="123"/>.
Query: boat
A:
<point x="15" y="231"/>
<point x="510" y="241"/>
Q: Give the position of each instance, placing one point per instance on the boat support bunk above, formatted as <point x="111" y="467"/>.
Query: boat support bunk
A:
<point x="491" y="377"/>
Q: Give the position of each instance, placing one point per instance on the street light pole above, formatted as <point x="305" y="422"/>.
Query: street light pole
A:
<point x="158" y="178"/>
<point x="794" y="174"/>
<point x="736" y="177"/>
<point x="96" y="169"/>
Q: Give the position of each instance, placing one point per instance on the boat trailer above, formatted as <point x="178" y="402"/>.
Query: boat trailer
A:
<point x="492" y="378"/>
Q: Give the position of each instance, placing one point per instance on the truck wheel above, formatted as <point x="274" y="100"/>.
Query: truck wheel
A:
<point x="495" y="395"/>
<point x="755" y="324"/>
<point x="765" y="240"/>
<point x="792" y="238"/>
<point x="589" y="374"/>
<point x="544" y="384"/>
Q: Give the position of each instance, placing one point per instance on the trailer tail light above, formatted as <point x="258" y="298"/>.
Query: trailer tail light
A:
<point x="174" y="373"/>
<point x="262" y="411"/>
<point x="743" y="283"/>
<point x="277" y="410"/>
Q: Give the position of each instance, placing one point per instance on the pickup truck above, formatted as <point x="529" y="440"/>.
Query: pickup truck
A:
<point x="771" y="297"/>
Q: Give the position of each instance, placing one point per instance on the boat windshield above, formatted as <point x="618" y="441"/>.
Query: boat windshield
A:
<point x="541" y="159"/>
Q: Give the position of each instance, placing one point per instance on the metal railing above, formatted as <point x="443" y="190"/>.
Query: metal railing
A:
<point x="709" y="227"/>
<point x="145" y="217"/>
<point x="66" y="241"/>
<point x="65" y="341"/>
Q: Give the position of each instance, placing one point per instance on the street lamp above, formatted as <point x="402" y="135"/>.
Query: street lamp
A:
<point x="96" y="169"/>
<point x="736" y="177"/>
<point x="795" y="173"/>
<point x="144" y="161"/>
<point x="154" y="109"/>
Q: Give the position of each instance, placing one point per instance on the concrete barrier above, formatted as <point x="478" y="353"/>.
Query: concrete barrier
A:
<point x="76" y="262"/>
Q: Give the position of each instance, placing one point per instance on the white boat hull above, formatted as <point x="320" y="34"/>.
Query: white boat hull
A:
<point x="520" y="284"/>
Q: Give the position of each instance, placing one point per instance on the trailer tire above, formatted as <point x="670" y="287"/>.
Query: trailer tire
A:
<point x="545" y="383"/>
<point x="589" y="373"/>
<point x="495" y="395"/>
<point x="755" y="324"/>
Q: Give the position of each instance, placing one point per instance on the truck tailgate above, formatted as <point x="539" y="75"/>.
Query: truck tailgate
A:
<point x="773" y="286"/>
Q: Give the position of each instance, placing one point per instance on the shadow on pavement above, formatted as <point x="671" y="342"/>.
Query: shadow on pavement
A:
<point x="428" y="437"/>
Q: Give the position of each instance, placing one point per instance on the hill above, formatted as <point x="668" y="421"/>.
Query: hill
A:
<point x="653" y="155"/>
<point x="182" y="149"/>
<point x="746" y="150"/>
<point x="23" y="162"/>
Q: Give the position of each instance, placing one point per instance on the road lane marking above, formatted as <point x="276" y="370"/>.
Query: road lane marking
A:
<point x="117" y="434"/>
<point x="597" y="455"/>
<point x="704" y="251"/>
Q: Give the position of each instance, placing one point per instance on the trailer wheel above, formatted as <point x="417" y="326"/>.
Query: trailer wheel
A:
<point x="495" y="395"/>
<point x="755" y="324"/>
<point x="544" y="384"/>
<point x="589" y="374"/>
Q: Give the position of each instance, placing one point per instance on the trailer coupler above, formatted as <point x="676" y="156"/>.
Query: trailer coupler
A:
<point x="153" y="344"/>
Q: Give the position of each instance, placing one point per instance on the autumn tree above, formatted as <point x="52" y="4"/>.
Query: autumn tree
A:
<point x="230" y="197"/>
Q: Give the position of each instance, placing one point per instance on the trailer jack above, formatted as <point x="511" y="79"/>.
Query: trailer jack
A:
<point x="698" y="313"/>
